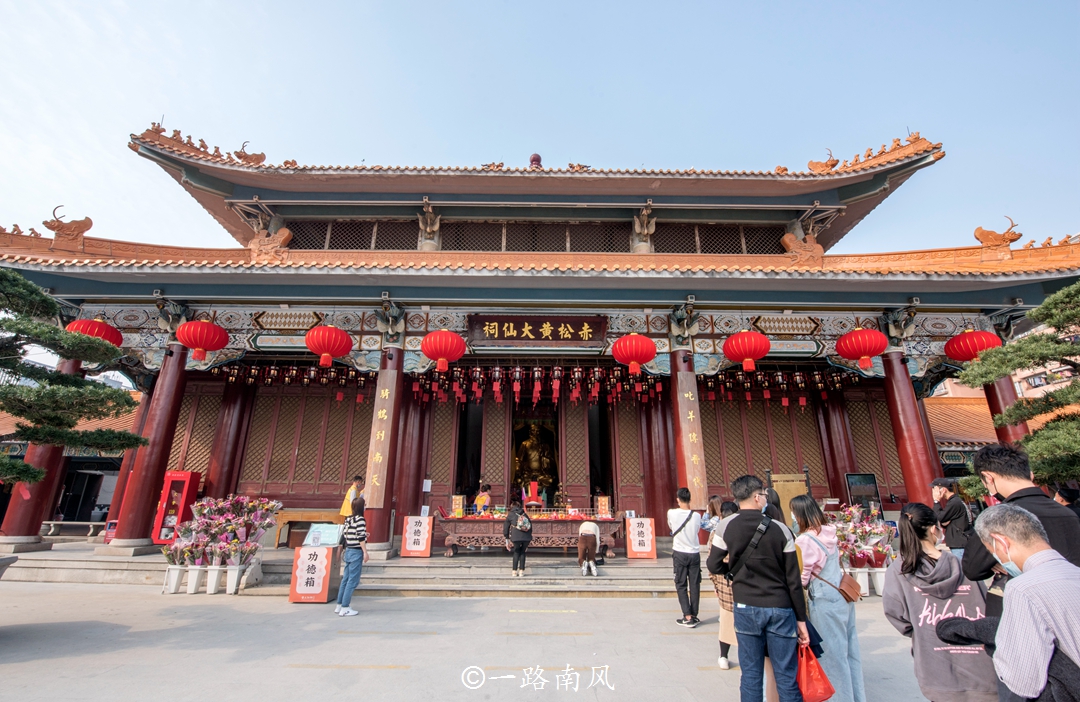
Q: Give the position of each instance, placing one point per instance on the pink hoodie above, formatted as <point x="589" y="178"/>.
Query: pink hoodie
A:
<point x="813" y="557"/>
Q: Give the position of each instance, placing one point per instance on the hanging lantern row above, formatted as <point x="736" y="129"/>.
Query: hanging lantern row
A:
<point x="97" y="328"/>
<point x="303" y="376"/>
<point x="727" y="385"/>
<point x="861" y="345"/>
<point x="968" y="344"/>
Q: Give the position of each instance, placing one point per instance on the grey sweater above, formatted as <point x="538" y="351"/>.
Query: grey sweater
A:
<point x="914" y="604"/>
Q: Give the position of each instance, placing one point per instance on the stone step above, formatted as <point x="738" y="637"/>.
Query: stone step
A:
<point x="519" y="589"/>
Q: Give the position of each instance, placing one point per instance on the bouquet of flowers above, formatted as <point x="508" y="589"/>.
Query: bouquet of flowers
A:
<point x="863" y="536"/>
<point x="226" y="530"/>
<point x="174" y="553"/>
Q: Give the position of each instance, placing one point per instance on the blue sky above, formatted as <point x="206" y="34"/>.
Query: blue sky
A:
<point x="619" y="84"/>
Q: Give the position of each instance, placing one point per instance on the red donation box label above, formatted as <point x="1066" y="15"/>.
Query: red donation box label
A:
<point x="416" y="540"/>
<point x="311" y="574"/>
<point x="640" y="538"/>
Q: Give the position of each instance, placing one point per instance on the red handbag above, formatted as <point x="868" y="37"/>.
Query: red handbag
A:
<point x="813" y="683"/>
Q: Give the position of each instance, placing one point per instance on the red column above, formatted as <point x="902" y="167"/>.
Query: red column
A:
<point x="687" y="429"/>
<point x="410" y="464"/>
<point x="655" y="502"/>
<point x="1000" y="396"/>
<point x="30" y="503"/>
<point x="148" y="473"/>
<point x="841" y="453"/>
<point x="915" y="453"/>
<point x="935" y="457"/>
<point x="391" y="376"/>
<point x="228" y="435"/>
<point x="137" y="426"/>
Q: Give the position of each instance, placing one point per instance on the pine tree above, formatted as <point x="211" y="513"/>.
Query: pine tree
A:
<point x="1054" y="449"/>
<point x="52" y="403"/>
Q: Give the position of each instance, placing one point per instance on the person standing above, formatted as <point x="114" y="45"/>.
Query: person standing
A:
<point x="1068" y="497"/>
<point x="517" y="530"/>
<point x="1039" y="615"/>
<point x="718" y="511"/>
<point x="923" y="586"/>
<point x="831" y="614"/>
<point x="355" y="556"/>
<point x="954" y="516"/>
<point x="684" y="524"/>
<point x="758" y="555"/>
<point x="1005" y="473"/>
<point x="355" y="490"/>
<point x="588" y="541"/>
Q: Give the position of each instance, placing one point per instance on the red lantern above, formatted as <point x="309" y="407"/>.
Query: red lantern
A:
<point x="861" y="344"/>
<point x="968" y="344"/>
<point x="202" y="335"/>
<point x="634" y="350"/>
<point x="328" y="342"/>
<point x="98" y="329"/>
<point x="747" y="347"/>
<point x="444" y="347"/>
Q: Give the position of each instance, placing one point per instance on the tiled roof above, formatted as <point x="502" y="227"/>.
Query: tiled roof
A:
<point x="965" y="422"/>
<point x="121" y="423"/>
<point x="178" y="145"/>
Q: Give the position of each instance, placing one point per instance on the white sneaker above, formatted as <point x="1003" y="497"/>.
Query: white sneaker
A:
<point x="348" y="612"/>
<point x="585" y="568"/>
<point x="592" y="567"/>
<point x="337" y="609"/>
<point x="724" y="663"/>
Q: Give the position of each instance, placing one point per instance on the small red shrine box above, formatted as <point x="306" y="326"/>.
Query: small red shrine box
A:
<point x="174" y="507"/>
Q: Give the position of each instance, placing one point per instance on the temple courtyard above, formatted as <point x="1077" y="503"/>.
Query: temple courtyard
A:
<point x="126" y="642"/>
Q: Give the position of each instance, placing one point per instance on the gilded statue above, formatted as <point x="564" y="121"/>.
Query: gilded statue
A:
<point x="535" y="461"/>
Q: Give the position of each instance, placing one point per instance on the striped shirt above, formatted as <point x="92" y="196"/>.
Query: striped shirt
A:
<point x="355" y="531"/>
<point x="1040" y="613"/>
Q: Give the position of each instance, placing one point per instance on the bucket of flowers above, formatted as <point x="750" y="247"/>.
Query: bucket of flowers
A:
<point x="174" y="571"/>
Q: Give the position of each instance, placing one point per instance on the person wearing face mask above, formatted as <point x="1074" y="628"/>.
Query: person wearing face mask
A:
<point x="922" y="587"/>
<point x="1039" y="616"/>
<point x="1005" y="473"/>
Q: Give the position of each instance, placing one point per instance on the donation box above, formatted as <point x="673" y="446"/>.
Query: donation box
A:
<point x="174" y="507"/>
<point x="316" y="574"/>
<point x="640" y="538"/>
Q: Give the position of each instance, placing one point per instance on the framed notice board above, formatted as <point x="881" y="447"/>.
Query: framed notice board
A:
<point x="862" y="489"/>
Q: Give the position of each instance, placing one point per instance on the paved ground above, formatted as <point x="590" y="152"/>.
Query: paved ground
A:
<point x="125" y="643"/>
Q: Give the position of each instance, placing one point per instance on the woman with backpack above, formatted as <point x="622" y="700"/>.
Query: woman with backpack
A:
<point x="829" y="610"/>
<point x="517" y="530"/>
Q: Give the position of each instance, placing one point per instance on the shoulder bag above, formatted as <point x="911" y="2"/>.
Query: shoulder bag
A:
<point x="849" y="587"/>
<point x="758" y="533"/>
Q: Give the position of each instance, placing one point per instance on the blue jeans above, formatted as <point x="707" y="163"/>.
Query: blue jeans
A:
<point x="772" y="629"/>
<point x="354" y="562"/>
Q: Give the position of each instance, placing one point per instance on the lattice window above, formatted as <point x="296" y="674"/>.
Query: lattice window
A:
<point x="577" y="458"/>
<point x="355" y="235"/>
<point x="284" y="434"/>
<point x="629" y="444"/>
<point x="734" y="441"/>
<point x="441" y="464"/>
<point x="783" y="439"/>
<point x="471" y="236"/>
<point x="759" y="439"/>
<point x="494" y="442"/>
<point x="197" y="457"/>
<point x="258" y="439"/>
<point x="720" y="239"/>
<point x="710" y="440"/>
<point x="600" y="237"/>
<point x="308" y="234"/>
<point x="810" y="445"/>
<point x="888" y="444"/>
<point x="862" y="435"/>
<point x="358" y="442"/>
<point x="334" y="446"/>
<point x="675" y="238"/>
<point x="181" y="429"/>
<point x="310" y="430"/>
<point x="397" y="235"/>
<point x="763" y="240"/>
<point x="535" y="236"/>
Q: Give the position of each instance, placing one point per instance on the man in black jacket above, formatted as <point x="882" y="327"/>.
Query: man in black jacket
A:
<point x="770" y="609"/>
<point x="1005" y="472"/>
<point x="953" y="516"/>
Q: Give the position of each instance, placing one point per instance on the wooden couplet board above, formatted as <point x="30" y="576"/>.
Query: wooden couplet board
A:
<point x="788" y="486"/>
<point x="416" y="539"/>
<point x="640" y="538"/>
<point x="316" y="574"/>
<point x="689" y="455"/>
<point x="383" y="431"/>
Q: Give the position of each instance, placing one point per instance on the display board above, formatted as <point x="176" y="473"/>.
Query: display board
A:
<point x="640" y="538"/>
<point x="862" y="489"/>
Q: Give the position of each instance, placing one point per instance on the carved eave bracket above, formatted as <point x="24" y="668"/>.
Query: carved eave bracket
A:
<point x="682" y="327"/>
<point x="390" y="321"/>
<point x="899" y="326"/>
